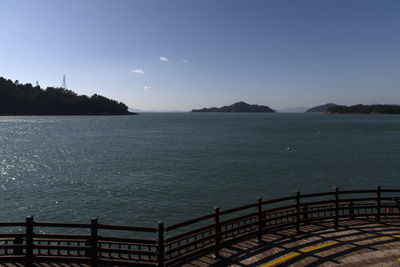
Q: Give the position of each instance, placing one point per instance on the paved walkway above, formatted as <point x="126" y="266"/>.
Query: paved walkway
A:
<point x="354" y="243"/>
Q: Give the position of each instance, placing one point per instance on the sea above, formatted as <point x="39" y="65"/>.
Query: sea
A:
<point x="138" y="170"/>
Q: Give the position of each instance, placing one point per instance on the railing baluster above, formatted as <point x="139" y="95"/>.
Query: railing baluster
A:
<point x="336" y="216"/>
<point x="151" y="249"/>
<point x="305" y="212"/>
<point x="161" y="250"/>
<point x="297" y="199"/>
<point x="68" y="251"/>
<point x="378" y="204"/>
<point x="217" y="229"/>
<point x="351" y="209"/>
<point x="260" y="219"/>
<point x="94" y="233"/>
<point x="19" y="250"/>
<point x="29" y="241"/>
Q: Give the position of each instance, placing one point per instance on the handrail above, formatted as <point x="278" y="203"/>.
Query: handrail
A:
<point x="253" y="205"/>
<point x="366" y="191"/>
<point x="127" y="228"/>
<point x="318" y="194"/>
<point x="276" y="200"/>
<point x="12" y="224"/>
<point x="390" y="190"/>
<point x="197" y="235"/>
<point x="65" y="225"/>
<point x="192" y="221"/>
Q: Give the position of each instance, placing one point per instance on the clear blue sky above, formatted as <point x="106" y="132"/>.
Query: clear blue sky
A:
<point x="278" y="53"/>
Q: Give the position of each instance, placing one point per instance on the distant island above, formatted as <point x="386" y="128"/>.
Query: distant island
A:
<point x="25" y="99"/>
<point x="322" y="108"/>
<point x="365" y="109"/>
<point x="237" y="107"/>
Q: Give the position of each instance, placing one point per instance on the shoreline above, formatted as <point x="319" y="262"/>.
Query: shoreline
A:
<point x="120" y="114"/>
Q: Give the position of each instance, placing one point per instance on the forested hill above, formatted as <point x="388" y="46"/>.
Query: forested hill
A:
<point x="322" y="108"/>
<point x="25" y="99"/>
<point x="237" y="107"/>
<point x="365" y="109"/>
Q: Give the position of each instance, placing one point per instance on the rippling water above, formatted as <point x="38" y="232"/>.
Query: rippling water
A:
<point x="139" y="169"/>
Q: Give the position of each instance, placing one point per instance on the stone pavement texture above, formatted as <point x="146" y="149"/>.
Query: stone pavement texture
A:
<point x="353" y="243"/>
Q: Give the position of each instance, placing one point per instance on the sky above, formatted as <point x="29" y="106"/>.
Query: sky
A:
<point x="188" y="54"/>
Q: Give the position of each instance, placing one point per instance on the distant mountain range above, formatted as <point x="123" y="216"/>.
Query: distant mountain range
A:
<point x="321" y="108"/>
<point x="237" y="107"/>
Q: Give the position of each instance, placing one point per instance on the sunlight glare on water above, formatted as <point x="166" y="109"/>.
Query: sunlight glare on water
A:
<point x="135" y="170"/>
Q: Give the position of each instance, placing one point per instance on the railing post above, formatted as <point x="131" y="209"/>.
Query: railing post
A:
<point x="160" y="243"/>
<point x="378" y="203"/>
<point x="94" y="237"/>
<point x="260" y="219"/>
<point x="351" y="209"/>
<point x="336" y="216"/>
<point x="217" y="228"/>
<point x="297" y="196"/>
<point x="29" y="241"/>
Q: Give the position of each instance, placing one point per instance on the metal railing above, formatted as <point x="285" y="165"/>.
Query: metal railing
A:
<point x="175" y="243"/>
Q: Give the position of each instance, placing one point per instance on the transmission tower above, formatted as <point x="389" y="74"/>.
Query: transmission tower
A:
<point x="64" y="84"/>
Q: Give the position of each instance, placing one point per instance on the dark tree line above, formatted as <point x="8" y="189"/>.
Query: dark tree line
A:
<point x="25" y="99"/>
<point x="365" y="109"/>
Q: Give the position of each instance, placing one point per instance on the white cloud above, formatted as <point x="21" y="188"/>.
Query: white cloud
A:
<point x="139" y="71"/>
<point x="164" y="59"/>
<point x="148" y="88"/>
<point x="184" y="61"/>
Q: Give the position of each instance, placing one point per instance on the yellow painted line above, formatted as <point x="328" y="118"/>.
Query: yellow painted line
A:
<point x="318" y="247"/>
<point x="295" y="254"/>
<point x="382" y="237"/>
<point x="304" y="250"/>
<point x="279" y="260"/>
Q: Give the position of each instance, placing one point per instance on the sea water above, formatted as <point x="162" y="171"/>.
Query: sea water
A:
<point x="136" y="170"/>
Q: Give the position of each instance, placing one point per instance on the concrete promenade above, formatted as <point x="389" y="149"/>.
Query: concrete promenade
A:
<point x="353" y="243"/>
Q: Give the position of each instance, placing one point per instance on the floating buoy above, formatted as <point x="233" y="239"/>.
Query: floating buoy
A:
<point x="290" y="148"/>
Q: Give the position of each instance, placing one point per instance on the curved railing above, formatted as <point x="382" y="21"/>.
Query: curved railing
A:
<point x="175" y="243"/>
